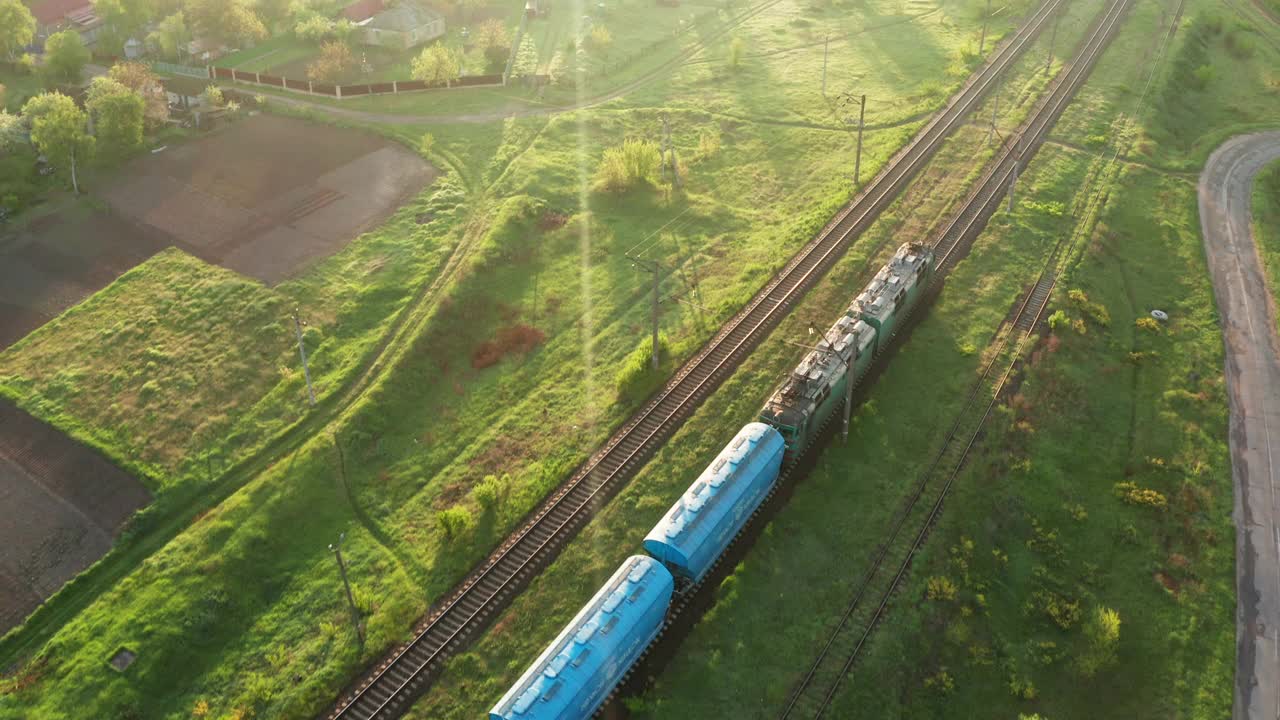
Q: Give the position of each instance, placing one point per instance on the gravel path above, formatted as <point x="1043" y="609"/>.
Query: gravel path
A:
<point x="1253" y="383"/>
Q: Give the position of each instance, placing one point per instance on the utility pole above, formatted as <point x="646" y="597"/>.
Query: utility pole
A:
<point x="342" y="568"/>
<point x="826" y="41"/>
<point x="1013" y="181"/>
<point x="996" y="108"/>
<point x="848" y="392"/>
<point x="1053" y="38"/>
<point x="654" y="267"/>
<point x="848" y="98"/>
<point x="982" y="43"/>
<point x="669" y="151"/>
<point x="302" y="350"/>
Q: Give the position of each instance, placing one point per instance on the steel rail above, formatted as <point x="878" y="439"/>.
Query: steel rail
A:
<point x="401" y="675"/>
<point x="965" y="224"/>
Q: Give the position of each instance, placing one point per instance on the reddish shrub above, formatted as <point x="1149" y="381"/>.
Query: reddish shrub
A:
<point x="510" y="339"/>
<point x="552" y="220"/>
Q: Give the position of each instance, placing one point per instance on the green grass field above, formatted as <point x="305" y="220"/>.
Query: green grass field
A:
<point x="250" y="577"/>
<point x="1266" y="222"/>
<point x="1035" y="524"/>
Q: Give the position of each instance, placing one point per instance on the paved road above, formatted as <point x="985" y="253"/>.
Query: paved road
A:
<point x="1253" y="385"/>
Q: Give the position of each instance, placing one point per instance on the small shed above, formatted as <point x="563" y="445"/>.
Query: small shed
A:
<point x="133" y="48"/>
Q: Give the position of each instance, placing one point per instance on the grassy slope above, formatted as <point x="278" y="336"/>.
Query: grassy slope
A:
<point x="407" y="455"/>
<point x="1266" y="222"/>
<point x="1087" y="418"/>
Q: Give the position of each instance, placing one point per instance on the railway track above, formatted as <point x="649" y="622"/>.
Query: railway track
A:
<point x="387" y="689"/>
<point x="911" y="524"/>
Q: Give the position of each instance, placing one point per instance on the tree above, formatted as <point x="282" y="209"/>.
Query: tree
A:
<point x="122" y="18"/>
<point x="313" y="27"/>
<point x="17" y="27"/>
<point x="225" y="20"/>
<point x="117" y="116"/>
<point x="1102" y="632"/>
<point x="600" y="39"/>
<point x="58" y="131"/>
<point x="139" y="78"/>
<point x="736" y="47"/>
<point x="212" y="96"/>
<point x="12" y="132"/>
<point x="171" y="36"/>
<point x="494" y="39"/>
<point x="65" y="57"/>
<point x="335" y="58"/>
<point x="436" y="64"/>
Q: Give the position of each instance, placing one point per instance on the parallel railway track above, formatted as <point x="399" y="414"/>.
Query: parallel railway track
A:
<point x="911" y="524"/>
<point x="387" y="689"/>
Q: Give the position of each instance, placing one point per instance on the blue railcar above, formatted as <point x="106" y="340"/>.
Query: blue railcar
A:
<point x="706" y="518"/>
<point x="576" y="673"/>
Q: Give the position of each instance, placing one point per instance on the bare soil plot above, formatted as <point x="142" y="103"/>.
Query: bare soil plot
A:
<point x="263" y="196"/>
<point x="63" y="504"/>
<point x="268" y="194"/>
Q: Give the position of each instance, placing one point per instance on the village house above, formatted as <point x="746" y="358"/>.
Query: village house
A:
<point x="399" y="27"/>
<point x="57" y="15"/>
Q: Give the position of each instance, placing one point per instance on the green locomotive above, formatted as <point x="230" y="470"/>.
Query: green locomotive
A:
<point x="801" y="406"/>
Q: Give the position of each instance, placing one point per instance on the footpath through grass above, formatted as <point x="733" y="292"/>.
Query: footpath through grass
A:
<point x="1266" y="223"/>
<point x="1103" y="484"/>
<point x="509" y="371"/>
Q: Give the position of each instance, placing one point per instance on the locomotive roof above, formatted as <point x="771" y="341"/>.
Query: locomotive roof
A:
<point x="709" y="490"/>
<point x="563" y="661"/>
<point x="899" y="274"/>
<point x="818" y="369"/>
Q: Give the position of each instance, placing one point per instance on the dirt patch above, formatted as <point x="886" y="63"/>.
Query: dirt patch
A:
<point x="510" y="339"/>
<point x="263" y="196"/>
<point x="63" y="506"/>
<point x="269" y="194"/>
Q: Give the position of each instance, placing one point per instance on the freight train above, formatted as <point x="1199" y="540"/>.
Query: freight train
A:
<point x="593" y="653"/>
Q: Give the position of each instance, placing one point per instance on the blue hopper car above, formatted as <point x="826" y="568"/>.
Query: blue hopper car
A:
<point x="706" y="518"/>
<point x="576" y="673"/>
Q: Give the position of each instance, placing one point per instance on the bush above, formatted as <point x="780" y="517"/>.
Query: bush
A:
<point x="490" y="491"/>
<point x="637" y="378"/>
<point x="1146" y="497"/>
<point x="941" y="589"/>
<point x="454" y="521"/>
<point x="1102" y="634"/>
<point x="1147" y="323"/>
<point x="633" y="163"/>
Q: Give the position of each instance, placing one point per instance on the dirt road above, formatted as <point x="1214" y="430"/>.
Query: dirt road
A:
<point x="1253" y="385"/>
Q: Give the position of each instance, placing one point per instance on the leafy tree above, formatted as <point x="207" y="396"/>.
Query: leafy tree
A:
<point x="225" y="20"/>
<point x="12" y="132"/>
<point x="58" y="131"/>
<point x="17" y="27"/>
<point x="171" y="36"/>
<point x="1102" y="633"/>
<point x="139" y="78"/>
<point x="437" y="64"/>
<point x="122" y="18"/>
<point x="313" y="27"/>
<point x="117" y="116"/>
<point x="736" y="48"/>
<point x="493" y="37"/>
<point x="335" y="58"/>
<point x="65" y="57"/>
<point x="212" y="96"/>
<point x="600" y="40"/>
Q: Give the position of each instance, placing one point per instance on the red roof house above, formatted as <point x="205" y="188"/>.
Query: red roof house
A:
<point x="361" y="10"/>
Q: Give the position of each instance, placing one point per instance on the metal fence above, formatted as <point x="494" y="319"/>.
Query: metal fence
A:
<point x="174" y="69"/>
